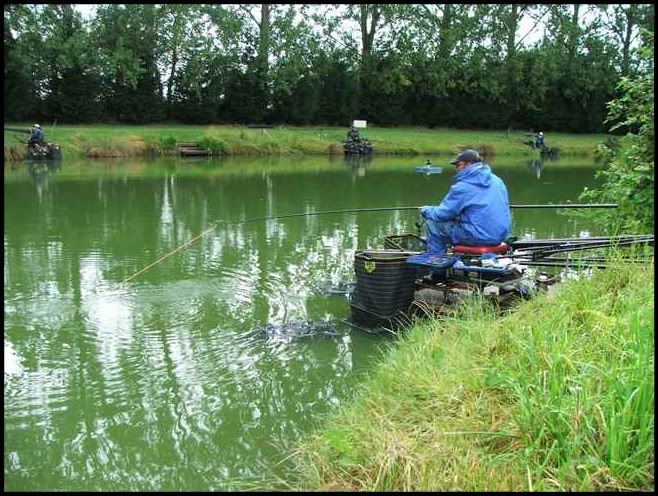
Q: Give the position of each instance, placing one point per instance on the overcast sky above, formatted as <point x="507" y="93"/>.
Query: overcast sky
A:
<point x="87" y="10"/>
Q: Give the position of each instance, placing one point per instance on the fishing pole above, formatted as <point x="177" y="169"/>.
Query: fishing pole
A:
<point x="521" y="259"/>
<point x="578" y="245"/>
<point x="585" y="246"/>
<point x="549" y="205"/>
<point x="569" y="205"/>
<point x="349" y="210"/>
<point x="383" y="209"/>
<point x="572" y="264"/>
<point x="545" y="243"/>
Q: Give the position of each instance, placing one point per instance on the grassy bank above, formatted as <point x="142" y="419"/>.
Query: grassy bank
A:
<point x="558" y="395"/>
<point x="134" y="141"/>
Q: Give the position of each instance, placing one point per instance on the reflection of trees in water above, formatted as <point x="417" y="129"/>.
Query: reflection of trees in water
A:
<point x="167" y="363"/>
<point x="357" y="164"/>
<point x="40" y="172"/>
<point x="538" y="164"/>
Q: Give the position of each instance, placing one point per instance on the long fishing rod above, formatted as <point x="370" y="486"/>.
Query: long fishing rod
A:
<point x="542" y="250"/>
<point x="569" y="205"/>
<point x="349" y="210"/>
<point x="383" y="209"/>
<point x="572" y="264"/>
<point x="528" y="244"/>
<point x="579" y="247"/>
<point x="576" y="259"/>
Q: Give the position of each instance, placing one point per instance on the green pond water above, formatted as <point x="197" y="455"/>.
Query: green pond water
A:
<point x="186" y="377"/>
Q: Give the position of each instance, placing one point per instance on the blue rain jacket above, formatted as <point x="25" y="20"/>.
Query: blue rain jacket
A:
<point x="37" y="135"/>
<point x="477" y="206"/>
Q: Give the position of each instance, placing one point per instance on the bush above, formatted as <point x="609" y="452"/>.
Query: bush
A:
<point x="628" y="164"/>
<point x="168" y="142"/>
<point x="216" y="146"/>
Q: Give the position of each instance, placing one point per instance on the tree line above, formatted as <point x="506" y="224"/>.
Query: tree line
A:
<point x="452" y="65"/>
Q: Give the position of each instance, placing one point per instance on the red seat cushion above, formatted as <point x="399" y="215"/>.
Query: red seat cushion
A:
<point x="478" y="250"/>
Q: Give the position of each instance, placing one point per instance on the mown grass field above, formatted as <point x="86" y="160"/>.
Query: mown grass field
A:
<point x="558" y="395"/>
<point x="100" y="141"/>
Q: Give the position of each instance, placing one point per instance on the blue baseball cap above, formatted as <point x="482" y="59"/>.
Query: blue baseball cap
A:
<point x="468" y="155"/>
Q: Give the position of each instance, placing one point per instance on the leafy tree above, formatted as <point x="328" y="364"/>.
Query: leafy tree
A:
<point x="623" y="21"/>
<point x="461" y="65"/>
<point x="209" y="83"/>
<point x="256" y="80"/>
<point x="68" y="59"/>
<point x="49" y="71"/>
<point x="628" y="171"/>
<point x="126" y="39"/>
<point x="361" y="29"/>
<point x="337" y="81"/>
<point x="177" y="32"/>
<point x="21" y="91"/>
<point x="294" y="82"/>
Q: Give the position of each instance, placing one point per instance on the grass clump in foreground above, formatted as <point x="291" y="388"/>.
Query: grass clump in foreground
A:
<point x="558" y="395"/>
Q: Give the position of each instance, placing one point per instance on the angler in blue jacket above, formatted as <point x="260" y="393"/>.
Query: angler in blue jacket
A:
<point x="539" y="141"/>
<point x="475" y="211"/>
<point x="36" y="138"/>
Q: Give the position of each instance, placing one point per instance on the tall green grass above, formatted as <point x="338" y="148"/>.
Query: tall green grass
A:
<point x="557" y="395"/>
<point x="132" y="141"/>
